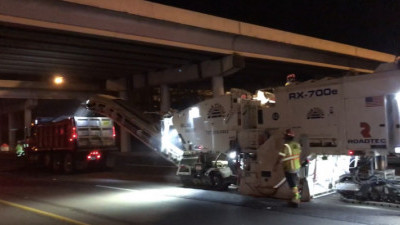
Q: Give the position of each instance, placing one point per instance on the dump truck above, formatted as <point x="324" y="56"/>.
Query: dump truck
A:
<point x="72" y="143"/>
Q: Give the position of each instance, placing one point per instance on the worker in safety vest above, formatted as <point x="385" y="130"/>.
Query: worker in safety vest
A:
<point x="290" y="159"/>
<point x="19" y="149"/>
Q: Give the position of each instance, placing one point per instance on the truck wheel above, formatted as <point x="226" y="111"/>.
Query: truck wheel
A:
<point x="47" y="161"/>
<point x="29" y="161"/>
<point x="56" y="164"/>
<point x="218" y="182"/>
<point x="68" y="164"/>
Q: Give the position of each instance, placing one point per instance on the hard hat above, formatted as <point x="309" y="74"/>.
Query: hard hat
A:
<point x="289" y="133"/>
<point x="291" y="76"/>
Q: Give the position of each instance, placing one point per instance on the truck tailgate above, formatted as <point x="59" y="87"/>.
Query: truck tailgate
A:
<point x="94" y="132"/>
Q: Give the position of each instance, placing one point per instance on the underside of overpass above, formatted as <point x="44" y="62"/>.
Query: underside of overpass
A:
<point x="30" y="57"/>
<point x="36" y="55"/>
<point x="144" y="44"/>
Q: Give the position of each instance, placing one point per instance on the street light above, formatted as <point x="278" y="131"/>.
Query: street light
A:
<point x="58" y="80"/>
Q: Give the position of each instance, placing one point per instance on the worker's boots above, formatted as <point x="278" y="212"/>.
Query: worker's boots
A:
<point x="295" y="201"/>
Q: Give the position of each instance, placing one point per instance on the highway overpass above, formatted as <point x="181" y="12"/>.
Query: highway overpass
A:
<point x="92" y="41"/>
<point x="123" y="47"/>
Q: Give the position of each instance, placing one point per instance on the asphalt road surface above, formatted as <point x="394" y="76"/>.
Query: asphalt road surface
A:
<point x="144" y="195"/>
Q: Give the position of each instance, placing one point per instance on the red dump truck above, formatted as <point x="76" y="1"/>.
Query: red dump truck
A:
<point x="70" y="143"/>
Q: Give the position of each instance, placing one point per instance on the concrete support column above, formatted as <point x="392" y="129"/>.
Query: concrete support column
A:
<point x="12" y="130"/>
<point x="27" y="122"/>
<point x="125" y="135"/>
<point x="125" y="140"/>
<point x="218" y="86"/>
<point x="165" y="99"/>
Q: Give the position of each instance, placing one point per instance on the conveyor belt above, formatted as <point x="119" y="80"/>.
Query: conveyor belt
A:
<point x="135" y="122"/>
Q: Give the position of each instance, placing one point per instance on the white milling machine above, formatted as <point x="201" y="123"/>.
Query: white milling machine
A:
<point x="334" y="119"/>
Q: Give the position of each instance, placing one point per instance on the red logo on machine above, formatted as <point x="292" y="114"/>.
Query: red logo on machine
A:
<point x="366" y="129"/>
<point x="365" y="132"/>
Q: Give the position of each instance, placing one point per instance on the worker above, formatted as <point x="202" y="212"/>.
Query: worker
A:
<point x="290" y="79"/>
<point x="290" y="159"/>
<point x="19" y="149"/>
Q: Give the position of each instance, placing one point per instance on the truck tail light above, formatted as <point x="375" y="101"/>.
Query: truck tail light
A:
<point x="113" y="132"/>
<point x="94" y="155"/>
<point x="74" y="134"/>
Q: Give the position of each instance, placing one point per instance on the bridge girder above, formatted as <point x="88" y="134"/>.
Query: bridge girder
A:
<point x="160" y="25"/>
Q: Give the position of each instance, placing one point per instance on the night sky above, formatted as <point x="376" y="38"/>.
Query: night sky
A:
<point x="365" y="23"/>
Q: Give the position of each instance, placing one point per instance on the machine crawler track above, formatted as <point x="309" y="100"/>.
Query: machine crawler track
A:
<point x="373" y="203"/>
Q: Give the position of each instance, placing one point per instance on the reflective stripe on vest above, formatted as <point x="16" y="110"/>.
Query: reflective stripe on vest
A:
<point x="291" y="157"/>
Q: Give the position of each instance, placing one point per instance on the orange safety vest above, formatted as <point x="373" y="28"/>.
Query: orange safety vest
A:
<point x="291" y="157"/>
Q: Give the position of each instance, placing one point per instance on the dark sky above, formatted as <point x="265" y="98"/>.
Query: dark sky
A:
<point x="365" y="23"/>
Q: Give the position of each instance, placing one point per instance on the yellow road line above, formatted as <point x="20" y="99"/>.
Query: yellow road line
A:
<point x="44" y="213"/>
